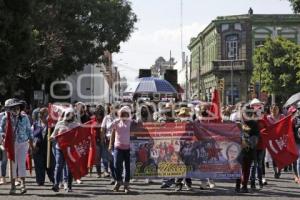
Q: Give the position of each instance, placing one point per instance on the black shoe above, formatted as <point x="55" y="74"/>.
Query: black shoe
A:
<point x="267" y="165"/>
<point x="253" y="187"/>
<point x="112" y="182"/>
<point x="23" y="190"/>
<point x="261" y="185"/>
<point x="237" y="189"/>
<point x="244" y="190"/>
<point x="178" y="187"/>
<point x="55" y="189"/>
<point x="165" y="185"/>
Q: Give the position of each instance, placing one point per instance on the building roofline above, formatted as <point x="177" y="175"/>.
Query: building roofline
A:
<point x="256" y="18"/>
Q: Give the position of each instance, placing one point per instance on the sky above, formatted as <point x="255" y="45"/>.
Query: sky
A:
<point x="157" y="31"/>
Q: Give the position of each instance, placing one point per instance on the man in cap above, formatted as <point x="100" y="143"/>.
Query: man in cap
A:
<point x="22" y="135"/>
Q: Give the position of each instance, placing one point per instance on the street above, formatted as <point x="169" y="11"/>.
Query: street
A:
<point x="95" y="188"/>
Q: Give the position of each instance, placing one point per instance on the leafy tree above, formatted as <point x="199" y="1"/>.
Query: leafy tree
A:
<point x="295" y="5"/>
<point x="15" y="41"/>
<point x="60" y="37"/>
<point x="277" y="66"/>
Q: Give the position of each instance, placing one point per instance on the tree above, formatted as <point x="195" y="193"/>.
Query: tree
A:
<point x="15" y="42"/>
<point x="295" y="5"/>
<point x="61" y="36"/>
<point x="277" y="66"/>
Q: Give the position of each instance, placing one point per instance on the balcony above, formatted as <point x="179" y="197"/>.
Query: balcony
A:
<point x="226" y="65"/>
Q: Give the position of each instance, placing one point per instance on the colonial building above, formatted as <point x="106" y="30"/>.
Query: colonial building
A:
<point x="222" y="52"/>
<point x="161" y="65"/>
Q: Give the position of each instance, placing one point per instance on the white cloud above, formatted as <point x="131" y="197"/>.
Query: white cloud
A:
<point x="144" y="47"/>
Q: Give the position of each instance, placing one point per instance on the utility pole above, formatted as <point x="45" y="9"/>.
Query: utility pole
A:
<point x="187" y="77"/>
<point x="170" y="59"/>
<point x="231" y="82"/>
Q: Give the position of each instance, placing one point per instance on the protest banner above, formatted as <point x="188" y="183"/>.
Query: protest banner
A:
<point x="193" y="150"/>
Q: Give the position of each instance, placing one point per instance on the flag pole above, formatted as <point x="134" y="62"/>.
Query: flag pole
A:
<point x="11" y="173"/>
<point x="48" y="148"/>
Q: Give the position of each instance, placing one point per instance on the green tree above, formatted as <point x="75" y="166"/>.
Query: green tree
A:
<point x="277" y="67"/>
<point x="53" y="39"/>
<point x="295" y="5"/>
<point x="77" y="32"/>
<point x="16" y="42"/>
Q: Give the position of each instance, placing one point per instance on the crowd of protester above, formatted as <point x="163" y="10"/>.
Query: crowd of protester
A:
<point x="112" y="129"/>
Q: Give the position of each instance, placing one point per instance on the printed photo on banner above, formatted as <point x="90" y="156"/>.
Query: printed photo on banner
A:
<point x="189" y="154"/>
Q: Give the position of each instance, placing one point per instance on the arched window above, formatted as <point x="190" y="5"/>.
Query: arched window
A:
<point x="232" y="47"/>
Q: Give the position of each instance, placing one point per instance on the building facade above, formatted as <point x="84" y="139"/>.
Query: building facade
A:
<point x="161" y="65"/>
<point x="223" y="51"/>
<point x="95" y="84"/>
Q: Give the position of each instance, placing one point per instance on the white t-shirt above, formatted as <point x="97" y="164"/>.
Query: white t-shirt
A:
<point x="235" y="117"/>
<point x="106" y="123"/>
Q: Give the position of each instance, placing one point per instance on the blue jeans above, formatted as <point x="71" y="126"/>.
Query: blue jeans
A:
<point x="3" y="164"/>
<point x="122" y="156"/>
<point x="101" y="150"/>
<point x="258" y="166"/>
<point x="59" y="167"/>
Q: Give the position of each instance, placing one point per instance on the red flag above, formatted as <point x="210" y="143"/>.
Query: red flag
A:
<point x="9" y="139"/>
<point x="29" y="163"/>
<point x="54" y="112"/>
<point x="92" y="153"/>
<point x="215" y="106"/>
<point x="280" y="141"/>
<point x="77" y="147"/>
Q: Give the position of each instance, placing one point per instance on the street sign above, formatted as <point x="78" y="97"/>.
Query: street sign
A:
<point x="38" y="95"/>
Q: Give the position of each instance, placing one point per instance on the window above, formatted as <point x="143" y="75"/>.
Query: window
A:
<point x="259" y="43"/>
<point x="232" y="47"/>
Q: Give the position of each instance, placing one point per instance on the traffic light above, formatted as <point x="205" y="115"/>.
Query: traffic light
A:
<point x="221" y="84"/>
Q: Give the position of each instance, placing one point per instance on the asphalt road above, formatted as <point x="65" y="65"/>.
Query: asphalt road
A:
<point x="99" y="188"/>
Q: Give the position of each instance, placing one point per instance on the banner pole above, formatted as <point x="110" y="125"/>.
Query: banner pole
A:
<point x="11" y="173"/>
<point x="49" y="149"/>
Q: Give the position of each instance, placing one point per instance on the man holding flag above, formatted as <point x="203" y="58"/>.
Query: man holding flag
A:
<point x="279" y="138"/>
<point x="16" y="130"/>
<point x="61" y="128"/>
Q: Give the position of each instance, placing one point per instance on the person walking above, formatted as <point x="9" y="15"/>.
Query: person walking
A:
<point x="68" y="122"/>
<point x="22" y="136"/>
<point x="3" y="164"/>
<point x="120" y="140"/>
<point x="272" y="118"/>
<point x="101" y="146"/>
<point x="184" y="116"/>
<point x="296" y="123"/>
<point x="40" y="144"/>
<point x="250" y="134"/>
<point x="107" y="132"/>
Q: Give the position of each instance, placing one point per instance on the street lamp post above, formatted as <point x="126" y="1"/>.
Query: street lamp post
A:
<point x="231" y="81"/>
